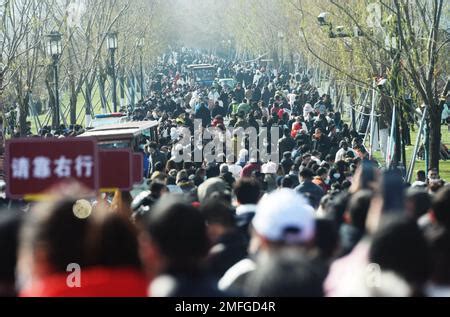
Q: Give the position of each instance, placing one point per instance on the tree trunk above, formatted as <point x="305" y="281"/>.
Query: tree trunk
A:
<point x="276" y="58"/>
<point x="73" y="103"/>
<point x="88" y="104"/>
<point x="23" y="115"/>
<point x="435" y="136"/>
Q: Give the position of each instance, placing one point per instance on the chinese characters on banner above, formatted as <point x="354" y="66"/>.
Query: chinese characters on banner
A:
<point x="34" y="165"/>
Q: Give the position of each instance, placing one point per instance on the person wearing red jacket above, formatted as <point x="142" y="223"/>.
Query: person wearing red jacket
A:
<point x="67" y="249"/>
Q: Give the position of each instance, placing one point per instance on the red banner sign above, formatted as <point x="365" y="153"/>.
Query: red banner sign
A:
<point x="33" y="165"/>
<point x="138" y="168"/>
<point x="116" y="169"/>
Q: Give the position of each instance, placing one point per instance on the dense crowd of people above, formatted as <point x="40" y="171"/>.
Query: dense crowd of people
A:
<point x="321" y="220"/>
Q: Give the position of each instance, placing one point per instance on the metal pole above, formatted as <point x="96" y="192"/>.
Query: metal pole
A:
<point x="416" y="147"/>
<point x="142" y="79"/>
<point x="372" y="122"/>
<point x="114" y="85"/>
<point x="57" y="105"/>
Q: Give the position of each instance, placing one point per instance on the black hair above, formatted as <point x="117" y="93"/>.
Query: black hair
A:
<point x="420" y="200"/>
<point x="159" y="167"/>
<point x="358" y="208"/>
<point x="153" y="145"/>
<point x="421" y="176"/>
<point x="156" y="188"/>
<point x="9" y="242"/>
<point x="54" y="228"/>
<point x="248" y="191"/>
<point x="441" y="207"/>
<point x="401" y="247"/>
<point x="440" y="255"/>
<point x="337" y="206"/>
<point x="327" y="237"/>
<point x="117" y="244"/>
<point x="179" y="231"/>
<point x="218" y="212"/>
<point x="306" y="173"/>
<point x="287" y="182"/>
<point x="321" y="171"/>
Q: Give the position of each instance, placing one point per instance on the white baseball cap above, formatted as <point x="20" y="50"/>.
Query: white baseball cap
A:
<point x="285" y="216"/>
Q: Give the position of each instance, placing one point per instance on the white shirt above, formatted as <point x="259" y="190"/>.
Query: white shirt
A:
<point x="340" y="155"/>
<point x="243" y="209"/>
<point x="214" y="96"/>
<point x="235" y="272"/>
<point x="292" y="99"/>
<point x="307" y="110"/>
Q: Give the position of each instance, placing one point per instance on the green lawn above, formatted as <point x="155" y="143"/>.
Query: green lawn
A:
<point x="80" y="109"/>
<point x="420" y="165"/>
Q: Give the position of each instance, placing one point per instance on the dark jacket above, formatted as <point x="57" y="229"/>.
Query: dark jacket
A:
<point x="322" y="145"/>
<point x="204" y="114"/>
<point x="313" y="192"/>
<point x="156" y="157"/>
<point x="239" y="94"/>
<point x="349" y="237"/>
<point x="256" y="95"/>
<point x="218" y="111"/>
<point x="286" y="144"/>
<point x="287" y="164"/>
<point x="229" y="250"/>
<point x="385" y="109"/>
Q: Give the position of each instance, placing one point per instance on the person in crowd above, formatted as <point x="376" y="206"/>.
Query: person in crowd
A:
<point x="203" y="113"/>
<point x="308" y="188"/>
<point x="399" y="246"/>
<point x="154" y="156"/>
<point x="229" y="243"/>
<point x="321" y="179"/>
<point x="421" y="180"/>
<point x="286" y="144"/>
<point x="10" y="222"/>
<point x="320" y="142"/>
<point x="343" y="151"/>
<point x="252" y="166"/>
<point x="248" y="194"/>
<point x="227" y="176"/>
<point x="417" y="203"/>
<point x="354" y="229"/>
<point x="174" y="247"/>
<point x="284" y="220"/>
<point x="211" y="186"/>
<point x="287" y="162"/>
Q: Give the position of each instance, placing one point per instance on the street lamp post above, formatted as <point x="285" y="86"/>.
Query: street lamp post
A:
<point x="55" y="50"/>
<point x="141" y="44"/>
<point x="112" y="46"/>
